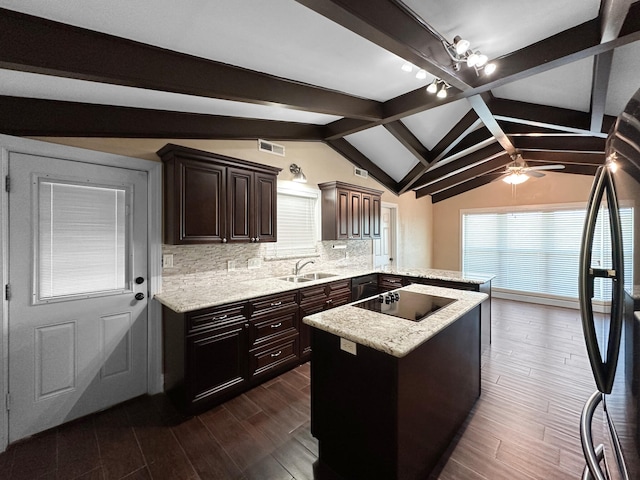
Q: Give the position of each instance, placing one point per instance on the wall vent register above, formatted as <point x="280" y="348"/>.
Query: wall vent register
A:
<point x="407" y="305"/>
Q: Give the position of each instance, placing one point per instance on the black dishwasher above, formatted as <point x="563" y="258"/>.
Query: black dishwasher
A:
<point x="364" y="287"/>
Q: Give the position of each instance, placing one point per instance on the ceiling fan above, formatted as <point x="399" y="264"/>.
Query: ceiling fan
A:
<point x="519" y="172"/>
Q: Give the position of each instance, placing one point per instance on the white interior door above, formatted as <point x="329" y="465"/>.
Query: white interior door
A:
<point x="77" y="259"/>
<point x="383" y="247"/>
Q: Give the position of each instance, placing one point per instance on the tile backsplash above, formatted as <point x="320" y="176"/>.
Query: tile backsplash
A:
<point x="209" y="264"/>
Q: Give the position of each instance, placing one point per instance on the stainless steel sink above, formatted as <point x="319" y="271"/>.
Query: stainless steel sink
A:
<point x="308" y="277"/>
<point x="295" y="279"/>
<point x="318" y="275"/>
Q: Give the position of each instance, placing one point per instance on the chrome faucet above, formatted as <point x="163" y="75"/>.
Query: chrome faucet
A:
<point x="299" y="267"/>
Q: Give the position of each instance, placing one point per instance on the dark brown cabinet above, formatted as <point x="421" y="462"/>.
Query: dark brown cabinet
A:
<point x="210" y="198"/>
<point x="349" y="211"/>
<point x="388" y="282"/>
<point x="273" y="334"/>
<point x="205" y="355"/>
<point x="317" y="299"/>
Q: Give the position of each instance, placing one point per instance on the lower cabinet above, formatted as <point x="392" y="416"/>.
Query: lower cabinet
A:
<point x="316" y="299"/>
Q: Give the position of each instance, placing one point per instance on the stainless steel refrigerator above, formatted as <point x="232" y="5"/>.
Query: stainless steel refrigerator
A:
<point x="609" y="423"/>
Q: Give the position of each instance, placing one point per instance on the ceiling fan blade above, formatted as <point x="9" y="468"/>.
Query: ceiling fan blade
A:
<point x="500" y="177"/>
<point x="534" y="174"/>
<point x="546" y="167"/>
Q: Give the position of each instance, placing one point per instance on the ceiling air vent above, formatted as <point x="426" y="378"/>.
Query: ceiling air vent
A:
<point x="270" y="147"/>
<point x="360" y="172"/>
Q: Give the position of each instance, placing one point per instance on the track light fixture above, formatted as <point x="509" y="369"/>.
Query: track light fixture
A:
<point x="298" y="176"/>
<point x="439" y="87"/>
<point x="460" y="52"/>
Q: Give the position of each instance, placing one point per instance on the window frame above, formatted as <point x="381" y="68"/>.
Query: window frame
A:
<point x="36" y="179"/>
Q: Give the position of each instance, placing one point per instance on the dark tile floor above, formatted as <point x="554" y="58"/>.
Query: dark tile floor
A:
<point x="535" y="379"/>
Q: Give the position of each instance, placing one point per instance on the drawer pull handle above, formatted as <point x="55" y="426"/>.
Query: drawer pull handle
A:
<point x="222" y="317"/>
<point x="329" y="301"/>
<point x="393" y="281"/>
<point x="277" y="354"/>
<point x="276" y="325"/>
<point x="275" y="304"/>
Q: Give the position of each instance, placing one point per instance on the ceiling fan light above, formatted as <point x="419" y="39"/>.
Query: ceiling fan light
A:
<point x="422" y="74"/>
<point x="433" y="86"/>
<point x="489" y="68"/>
<point x="515" y="178"/>
<point x="461" y="45"/>
<point x="407" y="67"/>
<point x="442" y="93"/>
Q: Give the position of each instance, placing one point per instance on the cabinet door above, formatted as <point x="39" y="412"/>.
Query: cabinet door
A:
<point x="355" y="215"/>
<point x="200" y="216"/>
<point x="307" y="309"/>
<point x="216" y="362"/>
<point x="343" y="215"/>
<point x="265" y="208"/>
<point x="376" y="215"/>
<point x="367" y="215"/>
<point x="240" y="204"/>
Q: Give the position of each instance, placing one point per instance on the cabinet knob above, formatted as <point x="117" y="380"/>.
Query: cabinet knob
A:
<point x="257" y="239"/>
<point x="224" y="240"/>
<point x="246" y="325"/>
<point x="253" y="239"/>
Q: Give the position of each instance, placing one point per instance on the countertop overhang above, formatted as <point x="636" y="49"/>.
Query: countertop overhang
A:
<point x="393" y="335"/>
<point x="195" y="297"/>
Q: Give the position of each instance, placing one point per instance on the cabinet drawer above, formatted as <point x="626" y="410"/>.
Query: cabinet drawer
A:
<point x="313" y="294"/>
<point x="263" y="305"/>
<point x="391" y="282"/>
<point x="267" y="327"/>
<point x="216" y="316"/>
<point x="338" y="288"/>
<point x="272" y="357"/>
<point x="339" y="300"/>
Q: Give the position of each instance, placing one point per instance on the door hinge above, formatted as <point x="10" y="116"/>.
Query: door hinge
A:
<point x="8" y="401"/>
<point x="7" y="183"/>
<point x="7" y="292"/>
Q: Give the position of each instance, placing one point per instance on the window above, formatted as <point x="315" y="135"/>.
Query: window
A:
<point x="298" y="222"/>
<point x="81" y="245"/>
<point x="537" y="250"/>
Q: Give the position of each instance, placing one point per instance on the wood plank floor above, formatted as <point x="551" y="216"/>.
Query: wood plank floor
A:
<point x="535" y="380"/>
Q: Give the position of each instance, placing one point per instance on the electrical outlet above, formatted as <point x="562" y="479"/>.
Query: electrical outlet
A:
<point x="348" y="346"/>
<point x="231" y="265"/>
<point x="167" y="261"/>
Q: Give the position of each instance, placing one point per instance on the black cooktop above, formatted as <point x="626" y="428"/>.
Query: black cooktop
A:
<point x="408" y="305"/>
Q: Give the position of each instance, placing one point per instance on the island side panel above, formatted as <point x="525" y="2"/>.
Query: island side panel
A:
<point x="438" y="384"/>
<point x="353" y="408"/>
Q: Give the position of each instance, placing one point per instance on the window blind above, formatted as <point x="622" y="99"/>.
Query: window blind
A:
<point x="297" y="225"/>
<point x="537" y="251"/>
<point x="81" y="239"/>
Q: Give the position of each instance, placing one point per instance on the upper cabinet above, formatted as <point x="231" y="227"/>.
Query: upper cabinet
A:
<point x="350" y="211"/>
<point x="211" y="198"/>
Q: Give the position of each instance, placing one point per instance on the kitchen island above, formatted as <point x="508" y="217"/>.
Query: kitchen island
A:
<point x="387" y="394"/>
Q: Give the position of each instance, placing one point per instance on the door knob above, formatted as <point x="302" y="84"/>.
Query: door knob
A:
<point x="139" y="280"/>
<point x="139" y="296"/>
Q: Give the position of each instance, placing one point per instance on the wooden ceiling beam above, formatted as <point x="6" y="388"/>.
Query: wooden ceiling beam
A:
<point x="37" y="45"/>
<point x="559" y="119"/>
<point x="352" y="154"/>
<point x="599" y="88"/>
<point x="545" y="156"/>
<point x="561" y="143"/>
<point x="461" y="130"/>
<point x="484" y="113"/>
<point x="461" y="188"/>
<point x="483" y="155"/>
<point x="496" y="163"/>
<point x="409" y="141"/>
<point x="36" y="117"/>
<point x="394" y="27"/>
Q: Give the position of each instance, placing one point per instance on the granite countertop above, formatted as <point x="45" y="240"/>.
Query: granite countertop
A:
<point x="195" y="297"/>
<point x="393" y="335"/>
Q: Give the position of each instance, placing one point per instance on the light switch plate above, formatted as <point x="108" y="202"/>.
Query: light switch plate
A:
<point x="348" y="346"/>
<point x="231" y="265"/>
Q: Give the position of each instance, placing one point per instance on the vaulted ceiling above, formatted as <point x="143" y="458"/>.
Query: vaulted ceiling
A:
<point x="330" y="71"/>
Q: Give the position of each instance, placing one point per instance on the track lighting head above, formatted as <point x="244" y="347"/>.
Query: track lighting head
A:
<point x="433" y="86"/>
<point x="440" y="86"/>
<point x="460" y="53"/>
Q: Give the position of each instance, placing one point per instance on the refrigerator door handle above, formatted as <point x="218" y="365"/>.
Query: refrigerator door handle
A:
<point x="593" y="455"/>
<point x="603" y="371"/>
